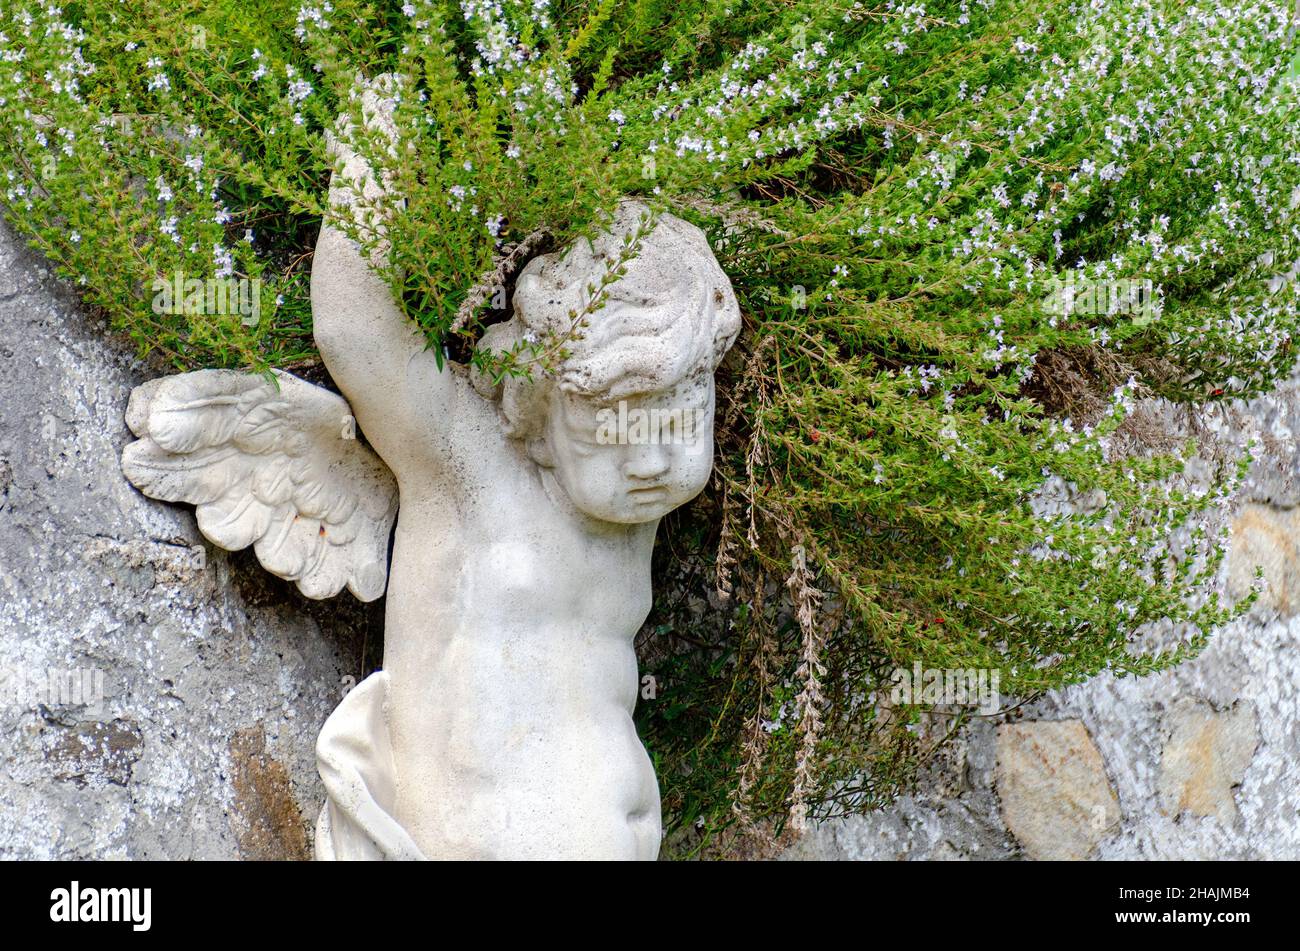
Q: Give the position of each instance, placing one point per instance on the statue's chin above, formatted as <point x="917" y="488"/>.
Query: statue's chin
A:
<point x="631" y="510"/>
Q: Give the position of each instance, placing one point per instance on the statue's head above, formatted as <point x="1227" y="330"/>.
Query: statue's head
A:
<point x="625" y="421"/>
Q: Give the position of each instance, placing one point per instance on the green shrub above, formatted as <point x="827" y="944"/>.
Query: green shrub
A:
<point x="898" y="193"/>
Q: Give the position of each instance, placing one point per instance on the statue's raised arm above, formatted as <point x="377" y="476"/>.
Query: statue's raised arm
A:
<point x="368" y="345"/>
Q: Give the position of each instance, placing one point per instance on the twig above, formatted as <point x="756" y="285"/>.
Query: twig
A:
<point x="496" y="277"/>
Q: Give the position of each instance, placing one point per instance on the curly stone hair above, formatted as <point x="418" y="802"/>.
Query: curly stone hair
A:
<point x="672" y="316"/>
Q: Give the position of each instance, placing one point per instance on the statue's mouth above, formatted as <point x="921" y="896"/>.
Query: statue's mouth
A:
<point x="648" y="493"/>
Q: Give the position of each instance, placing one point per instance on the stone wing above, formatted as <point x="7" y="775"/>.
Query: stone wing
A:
<point x="275" y="464"/>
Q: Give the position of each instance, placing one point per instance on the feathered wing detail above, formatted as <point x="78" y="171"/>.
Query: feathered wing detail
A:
<point x="280" y="469"/>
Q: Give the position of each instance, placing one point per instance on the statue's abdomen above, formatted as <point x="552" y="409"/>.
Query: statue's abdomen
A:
<point x="511" y="719"/>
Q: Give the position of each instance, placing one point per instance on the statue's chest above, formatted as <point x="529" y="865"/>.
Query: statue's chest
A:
<point x="554" y="578"/>
<point x="512" y="564"/>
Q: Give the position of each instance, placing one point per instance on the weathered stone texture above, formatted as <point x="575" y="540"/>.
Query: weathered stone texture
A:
<point x="215" y="677"/>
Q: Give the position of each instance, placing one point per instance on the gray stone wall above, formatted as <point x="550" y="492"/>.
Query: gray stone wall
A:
<point x="1198" y="762"/>
<point x="215" y="677"/>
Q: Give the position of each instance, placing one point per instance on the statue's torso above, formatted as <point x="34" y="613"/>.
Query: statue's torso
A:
<point x="513" y="677"/>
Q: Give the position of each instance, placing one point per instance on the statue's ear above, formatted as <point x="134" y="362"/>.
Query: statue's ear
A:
<point x="539" y="450"/>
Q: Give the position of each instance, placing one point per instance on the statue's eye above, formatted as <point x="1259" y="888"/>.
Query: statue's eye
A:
<point x="629" y="299"/>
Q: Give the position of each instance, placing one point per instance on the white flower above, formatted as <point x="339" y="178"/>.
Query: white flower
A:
<point x="224" y="261"/>
<point x="299" y="89"/>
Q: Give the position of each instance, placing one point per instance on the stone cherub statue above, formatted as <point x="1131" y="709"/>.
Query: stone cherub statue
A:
<point x="500" y="725"/>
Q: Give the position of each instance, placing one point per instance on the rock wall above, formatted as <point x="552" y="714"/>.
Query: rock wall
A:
<point x="1198" y="762"/>
<point x="159" y="698"/>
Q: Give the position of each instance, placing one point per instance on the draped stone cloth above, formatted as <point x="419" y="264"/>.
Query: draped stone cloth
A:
<point x="355" y="760"/>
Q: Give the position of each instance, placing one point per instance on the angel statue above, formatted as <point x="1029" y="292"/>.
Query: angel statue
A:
<point x="500" y="726"/>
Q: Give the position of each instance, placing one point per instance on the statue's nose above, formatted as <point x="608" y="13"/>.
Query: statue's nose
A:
<point x="646" y="462"/>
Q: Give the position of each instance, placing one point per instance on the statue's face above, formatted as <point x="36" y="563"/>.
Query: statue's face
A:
<point x="633" y="460"/>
